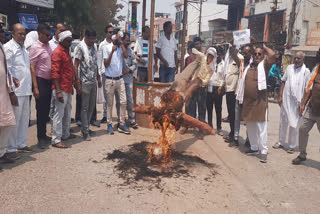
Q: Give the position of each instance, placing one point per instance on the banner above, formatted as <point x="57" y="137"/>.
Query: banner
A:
<point x="40" y="3"/>
<point x="241" y="37"/>
<point x="29" y="21"/>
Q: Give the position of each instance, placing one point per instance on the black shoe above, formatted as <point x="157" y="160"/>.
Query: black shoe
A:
<point x="95" y="123"/>
<point x="5" y="159"/>
<point x="104" y="120"/>
<point x="298" y="160"/>
<point x="124" y="129"/>
<point x="43" y="143"/>
<point x="133" y="125"/>
<point x="86" y="137"/>
<point x="252" y="152"/>
<point x="234" y="143"/>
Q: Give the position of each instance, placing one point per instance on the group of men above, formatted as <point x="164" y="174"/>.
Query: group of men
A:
<point x="47" y="71"/>
<point x="242" y="76"/>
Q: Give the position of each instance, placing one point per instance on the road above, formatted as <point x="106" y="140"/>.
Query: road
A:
<point x="81" y="180"/>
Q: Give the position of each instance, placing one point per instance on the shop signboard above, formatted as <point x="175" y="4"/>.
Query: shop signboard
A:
<point x="29" y="21"/>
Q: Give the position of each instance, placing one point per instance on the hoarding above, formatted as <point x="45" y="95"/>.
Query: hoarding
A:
<point x="40" y="3"/>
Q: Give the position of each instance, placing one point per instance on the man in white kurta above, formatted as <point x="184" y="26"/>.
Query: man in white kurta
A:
<point x="292" y="89"/>
<point x="19" y="66"/>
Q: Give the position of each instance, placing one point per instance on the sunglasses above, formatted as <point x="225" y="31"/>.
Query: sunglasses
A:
<point x="110" y="32"/>
<point x="257" y="54"/>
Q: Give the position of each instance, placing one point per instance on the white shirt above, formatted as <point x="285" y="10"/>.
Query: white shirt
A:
<point x="217" y="78"/>
<point x="19" y="66"/>
<point x="102" y="68"/>
<point x="116" y="64"/>
<point x="53" y="44"/>
<point x="168" y="48"/>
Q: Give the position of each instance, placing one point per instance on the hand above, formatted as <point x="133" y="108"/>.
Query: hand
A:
<point x="301" y="110"/>
<point x="36" y="93"/>
<point x="125" y="71"/>
<point x="143" y="61"/>
<point x="99" y="83"/>
<point x="166" y="64"/>
<point x="280" y="100"/>
<point x="16" y="82"/>
<point x="220" y="91"/>
<point x="114" y="48"/>
<point x="155" y="67"/>
<point x="14" y="99"/>
<point x="60" y="97"/>
<point x="79" y="89"/>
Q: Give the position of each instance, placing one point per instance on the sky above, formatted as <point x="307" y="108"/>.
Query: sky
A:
<point x="165" y="6"/>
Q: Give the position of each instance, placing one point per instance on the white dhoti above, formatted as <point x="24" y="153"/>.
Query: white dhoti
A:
<point x="20" y="130"/>
<point x="283" y="128"/>
<point x="61" y="117"/>
<point x="5" y="134"/>
<point x="258" y="135"/>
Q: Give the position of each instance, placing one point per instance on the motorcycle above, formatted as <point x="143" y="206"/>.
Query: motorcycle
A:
<point x="274" y="86"/>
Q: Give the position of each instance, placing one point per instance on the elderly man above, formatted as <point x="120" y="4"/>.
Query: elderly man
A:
<point x="293" y="85"/>
<point x="54" y="42"/>
<point x="40" y="59"/>
<point x="62" y="76"/>
<point x="113" y="55"/>
<point x="8" y="98"/>
<point x="311" y="100"/>
<point x="87" y="65"/>
<point x="19" y="66"/>
<point x="255" y="101"/>
<point x="167" y="53"/>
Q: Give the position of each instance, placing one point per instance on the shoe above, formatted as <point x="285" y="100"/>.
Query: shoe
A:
<point x="235" y="143"/>
<point x="95" y="123"/>
<point x="92" y="133"/>
<point x="298" y="160"/>
<point x="104" y="120"/>
<point x="86" y="137"/>
<point x="252" y="152"/>
<point x="12" y="155"/>
<point x="263" y="158"/>
<point x="124" y="129"/>
<point x="277" y="146"/>
<point x="5" y="159"/>
<point x="42" y="144"/>
<point x="219" y="132"/>
<point x="247" y="143"/>
<point x="110" y="130"/>
<point x="60" y="145"/>
<point x="291" y="151"/>
<point x="48" y="139"/>
<point x="25" y="149"/>
<point x="133" y="125"/>
<point x="78" y="122"/>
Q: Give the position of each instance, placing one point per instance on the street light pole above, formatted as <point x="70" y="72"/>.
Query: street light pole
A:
<point x="200" y="18"/>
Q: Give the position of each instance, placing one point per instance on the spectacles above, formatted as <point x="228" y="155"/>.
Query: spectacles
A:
<point x="257" y="54"/>
<point x="110" y="32"/>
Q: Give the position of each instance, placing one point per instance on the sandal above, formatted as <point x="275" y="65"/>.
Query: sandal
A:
<point x="60" y="145"/>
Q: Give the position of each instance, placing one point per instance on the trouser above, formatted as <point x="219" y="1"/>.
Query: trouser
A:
<point x="128" y="81"/>
<point x="88" y="104"/>
<point x="113" y="87"/>
<point x="258" y="135"/>
<point x="78" y="108"/>
<point x="216" y="99"/>
<point x="231" y="105"/>
<point x="283" y="127"/>
<point x="167" y="74"/>
<point x="106" y="99"/>
<point x="43" y="106"/>
<point x="5" y="134"/>
<point x="198" y="99"/>
<point x="20" y="130"/>
<point x="308" y="122"/>
<point x="61" y="117"/>
<point x="142" y="74"/>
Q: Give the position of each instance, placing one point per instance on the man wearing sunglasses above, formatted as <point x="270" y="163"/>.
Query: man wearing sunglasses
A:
<point x="255" y="100"/>
<point x="40" y="65"/>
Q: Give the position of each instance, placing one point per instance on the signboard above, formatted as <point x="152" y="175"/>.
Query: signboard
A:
<point x="40" y="3"/>
<point x="29" y="21"/>
<point x="4" y="21"/>
<point x="241" y="37"/>
<point x="314" y="38"/>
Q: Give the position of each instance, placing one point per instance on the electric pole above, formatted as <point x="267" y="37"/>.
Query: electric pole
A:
<point x="184" y="32"/>
<point x="200" y="16"/>
<point x="292" y="19"/>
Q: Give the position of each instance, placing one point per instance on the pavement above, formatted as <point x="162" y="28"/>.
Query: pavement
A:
<point x="81" y="180"/>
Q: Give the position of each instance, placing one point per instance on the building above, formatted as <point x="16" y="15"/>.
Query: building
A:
<point x="235" y="12"/>
<point x="160" y="19"/>
<point x="27" y="12"/>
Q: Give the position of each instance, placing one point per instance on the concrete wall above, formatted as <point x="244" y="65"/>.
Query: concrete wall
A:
<point x="306" y="19"/>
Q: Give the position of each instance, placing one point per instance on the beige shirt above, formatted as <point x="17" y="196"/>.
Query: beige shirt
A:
<point x="232" y="76"/>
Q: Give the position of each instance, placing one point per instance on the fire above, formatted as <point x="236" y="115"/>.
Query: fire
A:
<point x="164" y="118"/>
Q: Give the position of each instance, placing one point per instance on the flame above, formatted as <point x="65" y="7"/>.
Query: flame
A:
<point x="164" y="118"/>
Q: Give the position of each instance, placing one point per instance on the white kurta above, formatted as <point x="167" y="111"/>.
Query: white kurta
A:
<point x="295" y="83"/>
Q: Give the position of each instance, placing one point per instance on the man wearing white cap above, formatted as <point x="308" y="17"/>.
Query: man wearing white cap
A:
<point x="62" y="76"/>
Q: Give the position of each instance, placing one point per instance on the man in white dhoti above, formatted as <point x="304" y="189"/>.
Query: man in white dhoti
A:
<point x="293" y="85"/>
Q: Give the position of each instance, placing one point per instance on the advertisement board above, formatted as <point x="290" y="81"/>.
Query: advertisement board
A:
<point x="40" y="3"/>
<point x="29" y="21"/>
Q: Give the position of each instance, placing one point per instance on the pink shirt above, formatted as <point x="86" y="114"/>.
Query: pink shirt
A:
<point x="40" y="54"/>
